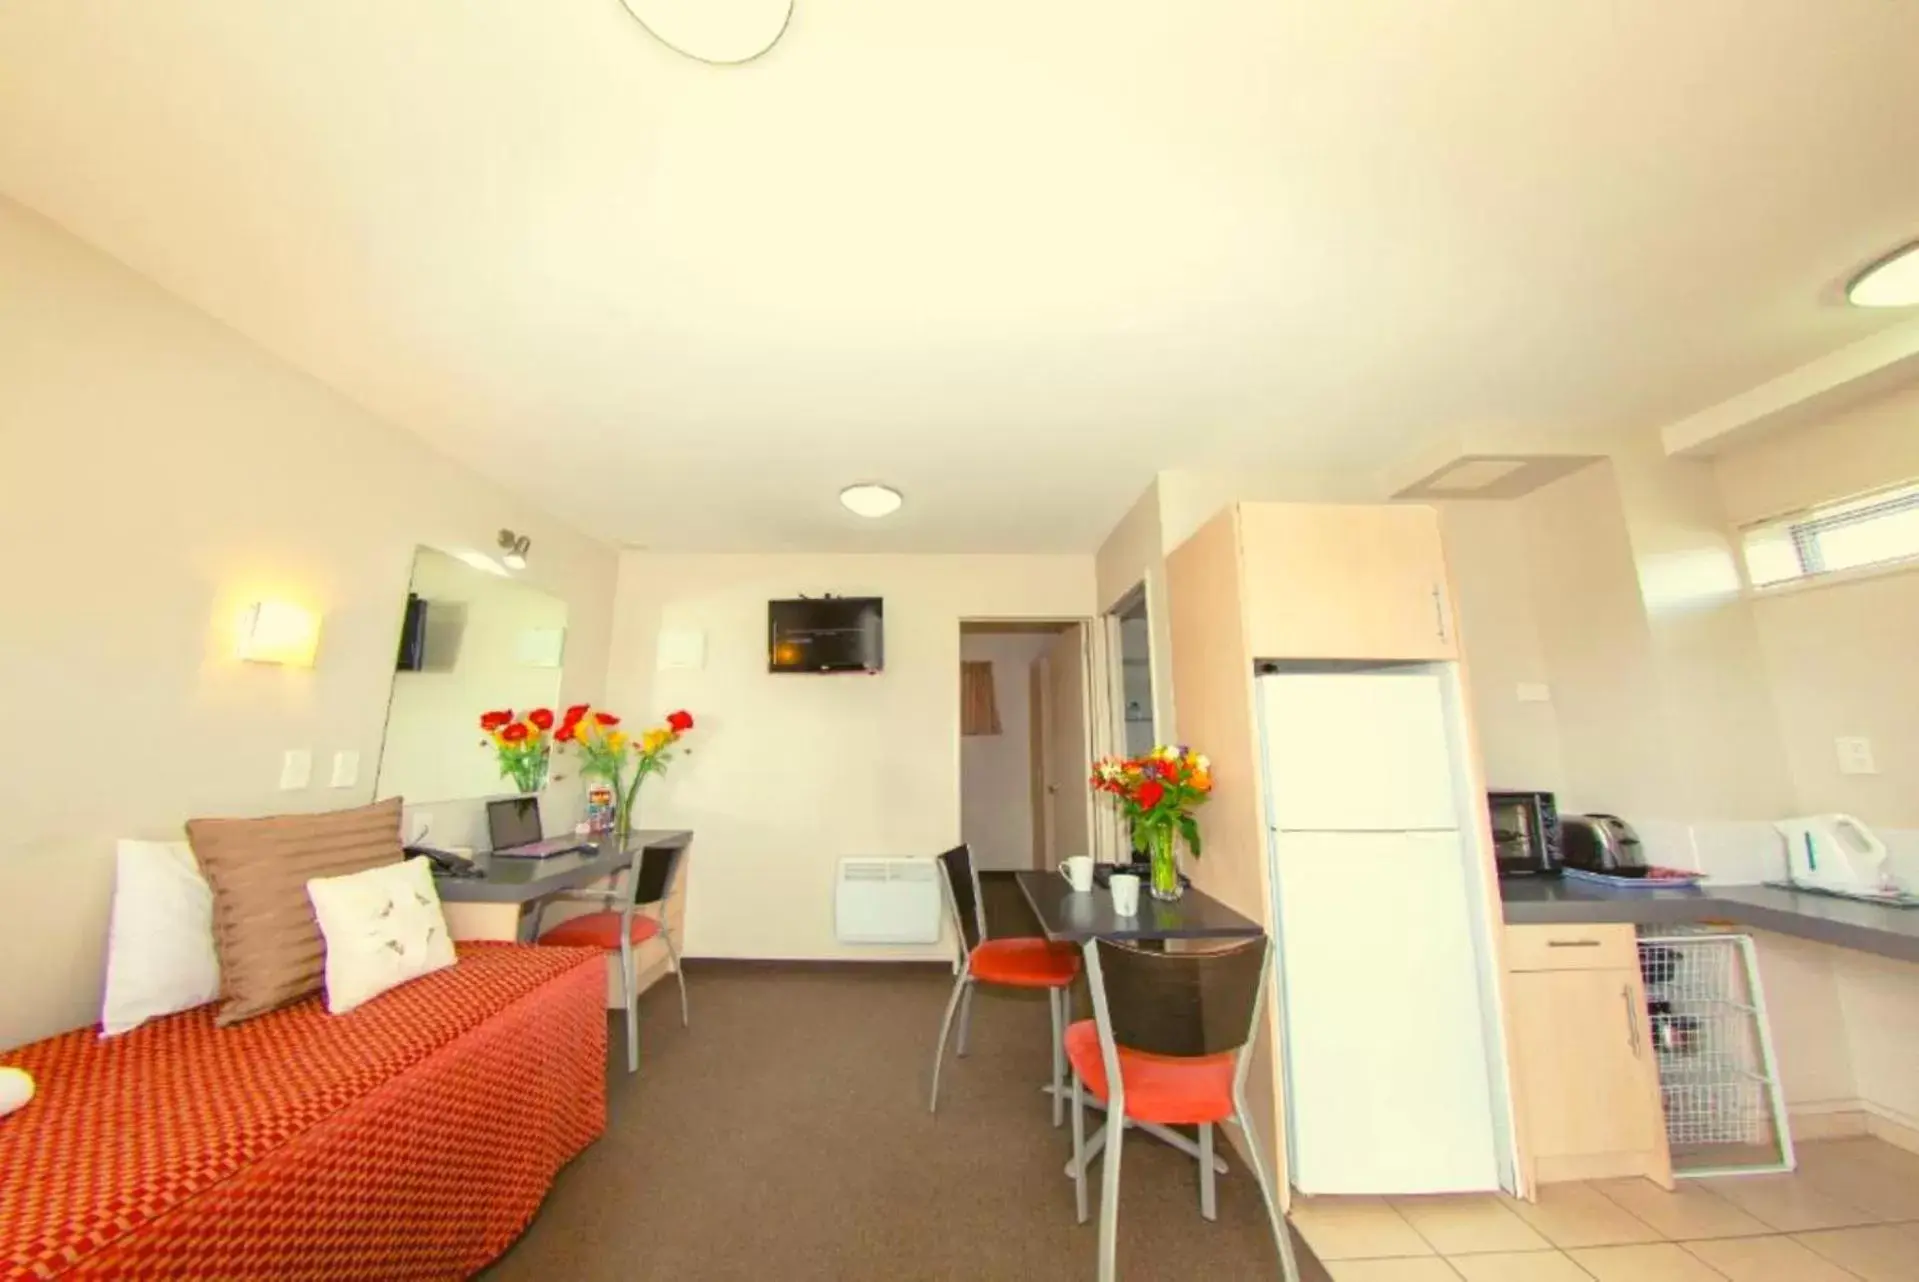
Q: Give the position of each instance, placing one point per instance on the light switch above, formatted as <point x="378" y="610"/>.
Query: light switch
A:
<point x="296" y="769"/>
<point x="1855" y="755"/>
<point x="1534" y="692"/>
<point x="346" y="768"/>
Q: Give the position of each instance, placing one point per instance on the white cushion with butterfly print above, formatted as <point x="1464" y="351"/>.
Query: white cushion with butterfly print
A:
<point x="382" y="927"/>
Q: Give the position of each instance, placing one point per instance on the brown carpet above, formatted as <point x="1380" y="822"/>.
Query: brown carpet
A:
<point x="785" y="1136"/>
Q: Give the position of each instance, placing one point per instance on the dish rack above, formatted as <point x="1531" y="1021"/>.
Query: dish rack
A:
<point x="1718" y="1076"/>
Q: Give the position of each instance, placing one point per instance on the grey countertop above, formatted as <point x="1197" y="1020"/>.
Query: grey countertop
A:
<point x="1872" y="928"/>
<point x="521" y="881"/>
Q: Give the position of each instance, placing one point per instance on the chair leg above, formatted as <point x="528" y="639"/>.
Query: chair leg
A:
<point x="1055" y="1001"/>
<point x="961" y="986"/>
<point x="1208" y="1186"/>
<point x="632" y="1007"/>
<point x="1079" y="1147"/>
<point x="1109" y="1188"/>
<point x="679" y="973"/>
<point x="1288" y="1265"/>
<point x="966" y="1019"/>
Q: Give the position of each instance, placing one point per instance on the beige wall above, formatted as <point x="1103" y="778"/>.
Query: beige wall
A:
<point x="789" y="773"/>
<point x="1839" y="657"/>
<point x="1488" y="560"/>
<point x="996" y="771"/>
<point x="158" y="472"/>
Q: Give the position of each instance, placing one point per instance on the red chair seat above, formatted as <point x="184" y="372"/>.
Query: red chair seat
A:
<point x="599" y="930"/>
<point x="1025" y="963"/>
<point x="1172" y="1090"/>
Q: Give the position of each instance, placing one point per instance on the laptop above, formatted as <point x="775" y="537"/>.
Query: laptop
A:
<point x="513" y="825"/>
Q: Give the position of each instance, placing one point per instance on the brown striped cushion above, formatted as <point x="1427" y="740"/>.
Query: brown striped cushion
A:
<point x="264" y="930"/>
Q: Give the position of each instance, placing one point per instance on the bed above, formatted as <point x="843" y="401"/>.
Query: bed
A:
<point x="413" y="1138"/>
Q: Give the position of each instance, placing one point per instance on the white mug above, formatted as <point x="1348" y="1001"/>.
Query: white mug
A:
<point x="1125" y="888"/>
<point x="1078" y="872"/>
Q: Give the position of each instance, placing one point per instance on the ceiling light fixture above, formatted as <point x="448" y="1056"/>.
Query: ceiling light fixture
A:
<point x="719" y="33"/>
<point x="1893" y="281"/>
<point x="870" y="500"/>
<point x="514" y="548"/>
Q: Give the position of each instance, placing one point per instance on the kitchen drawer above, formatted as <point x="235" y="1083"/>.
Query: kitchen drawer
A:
<point x="1595" y="947"/>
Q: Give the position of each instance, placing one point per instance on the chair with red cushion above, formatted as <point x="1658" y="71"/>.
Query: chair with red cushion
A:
<point x="1009" y="963"/>
<point x="645" y="883"/>
<point x="1168" y="1043"/>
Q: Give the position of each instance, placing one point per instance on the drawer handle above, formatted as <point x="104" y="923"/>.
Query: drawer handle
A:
<point x="1632" y="1020"/>
<point x="1572" y="943"/>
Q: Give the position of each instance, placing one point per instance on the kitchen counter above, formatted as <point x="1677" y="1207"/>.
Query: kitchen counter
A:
<point x="1871" y="928"/>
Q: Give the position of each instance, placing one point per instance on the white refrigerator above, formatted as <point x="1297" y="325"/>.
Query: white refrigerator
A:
<point x="1388" y="1079"/>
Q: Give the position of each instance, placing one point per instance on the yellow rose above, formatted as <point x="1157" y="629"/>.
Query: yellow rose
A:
<point x="617" y="740"/>
<point x="655" y="739"/>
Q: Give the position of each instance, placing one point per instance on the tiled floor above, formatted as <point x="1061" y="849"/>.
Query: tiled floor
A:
<point x="1850" y="1213"/>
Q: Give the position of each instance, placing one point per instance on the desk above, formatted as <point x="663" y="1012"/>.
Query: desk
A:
<point x="494" y="906"/>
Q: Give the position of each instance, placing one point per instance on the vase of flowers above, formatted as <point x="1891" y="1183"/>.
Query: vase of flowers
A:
<point x="524" y="745"/>
<point x="608" y="752"/>
<point x="1158" y="793"/>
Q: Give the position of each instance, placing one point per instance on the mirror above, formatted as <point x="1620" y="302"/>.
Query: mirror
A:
<point x="472" y="641"/>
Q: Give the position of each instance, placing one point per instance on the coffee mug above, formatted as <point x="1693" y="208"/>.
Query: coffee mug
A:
<point x="1078" y="872"/>
<point x="1125" y="888"/>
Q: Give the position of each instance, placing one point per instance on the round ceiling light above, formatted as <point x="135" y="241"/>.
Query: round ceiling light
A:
<point x="870" y="500"/>
<point x="1893" y="281"/>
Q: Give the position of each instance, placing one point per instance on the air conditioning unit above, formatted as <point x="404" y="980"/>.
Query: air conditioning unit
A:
<point x="887" y="901"/>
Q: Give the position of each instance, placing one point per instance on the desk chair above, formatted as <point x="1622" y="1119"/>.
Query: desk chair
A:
<point x="645" y="883"/>
<point x="1011" y="963"/>
<point x="1169" y="1042"/>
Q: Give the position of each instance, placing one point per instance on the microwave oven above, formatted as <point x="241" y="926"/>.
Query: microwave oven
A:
<point x="1525" y="833"/>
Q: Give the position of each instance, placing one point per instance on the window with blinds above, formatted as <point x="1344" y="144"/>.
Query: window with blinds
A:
<point x="1871" y="531"/>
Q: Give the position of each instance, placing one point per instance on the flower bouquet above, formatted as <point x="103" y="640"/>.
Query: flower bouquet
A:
<point x="1158" y="793"/>
<point x="524" y="745"/>
<point x="608" y="752"/>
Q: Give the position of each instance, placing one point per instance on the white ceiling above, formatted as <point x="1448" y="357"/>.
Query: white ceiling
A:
<point x="1010" y="257"/>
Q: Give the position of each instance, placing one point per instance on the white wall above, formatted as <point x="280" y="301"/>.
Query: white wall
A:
<point x="157" y="473"/>
<point x="475" y="626"/>
<point x="789" y="773"/>
<point x="996" y="771"/>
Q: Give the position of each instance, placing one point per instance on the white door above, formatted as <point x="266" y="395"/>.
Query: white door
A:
<point x="1356" y="752"/>
<point x="1069" y="764"/>
<point x="1388" y="1085"/>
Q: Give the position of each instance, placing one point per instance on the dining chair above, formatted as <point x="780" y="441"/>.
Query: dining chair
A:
<point x="621" y="924"/>
<point x="1008" y="963"/>
<point x="1170" y="1043"/>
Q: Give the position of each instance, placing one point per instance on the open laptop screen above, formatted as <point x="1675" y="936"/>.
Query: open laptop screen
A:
<point x="514" y="821"/>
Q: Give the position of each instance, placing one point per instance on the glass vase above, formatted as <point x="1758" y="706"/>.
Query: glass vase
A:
<point x="1163" y="851"/>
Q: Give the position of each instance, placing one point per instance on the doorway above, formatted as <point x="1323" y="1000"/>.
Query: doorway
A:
<point x="1026" y="746"/>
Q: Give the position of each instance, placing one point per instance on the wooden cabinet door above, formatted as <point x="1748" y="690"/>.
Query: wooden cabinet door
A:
<point x="1340" y="581"/>
<point x="1587" y="1077"/>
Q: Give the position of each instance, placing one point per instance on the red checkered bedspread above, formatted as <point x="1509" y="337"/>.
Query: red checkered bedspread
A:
<point x="411" y="1138"/>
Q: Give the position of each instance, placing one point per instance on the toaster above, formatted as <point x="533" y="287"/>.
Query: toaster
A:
<point x="1599" y="843"/>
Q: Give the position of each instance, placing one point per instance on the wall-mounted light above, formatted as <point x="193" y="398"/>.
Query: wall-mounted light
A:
<point x="513" y="548"/>
<point x="279" y="632"/>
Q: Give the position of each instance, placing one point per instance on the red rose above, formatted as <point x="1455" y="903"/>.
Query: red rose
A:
<point x="494" y="720"/>
<point x="542" y="718"/>
<point x="565" y="733"/>
<point x="1149" y="793"/>
<point x="576" y="713"/>
<point x="606" y="718"/>
<point x="514" y="733"/>
<point x="679" y="722"/>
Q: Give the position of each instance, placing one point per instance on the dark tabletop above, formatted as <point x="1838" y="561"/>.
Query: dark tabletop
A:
<point x="521" y="881"/>
<point x="1872" y="928"/>
<point x="1069" y="915"/>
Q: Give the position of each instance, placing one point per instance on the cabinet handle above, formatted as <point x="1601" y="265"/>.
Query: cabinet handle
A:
<point x="1572" y="943"/>
<point x="1439" y="613"/>
<point x="1632" y="1019"/>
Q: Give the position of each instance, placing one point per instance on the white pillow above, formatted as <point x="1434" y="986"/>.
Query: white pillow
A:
<point x="160" y="956"/>
<point x="382" y="927"/>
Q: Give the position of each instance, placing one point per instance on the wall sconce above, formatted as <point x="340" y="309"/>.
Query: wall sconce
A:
<point x="514" y="548"/>
<point x="279" y="632"/>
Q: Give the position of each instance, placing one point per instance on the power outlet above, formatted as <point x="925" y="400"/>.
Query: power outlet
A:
<point x="1855" y="755"/>
<point x="1534" y="692"/>
<point x="296" y="769"/>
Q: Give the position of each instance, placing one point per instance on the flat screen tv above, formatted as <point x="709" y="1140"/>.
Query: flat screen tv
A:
<point x="413" y="635"/>
<point x="825" y="634"/>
